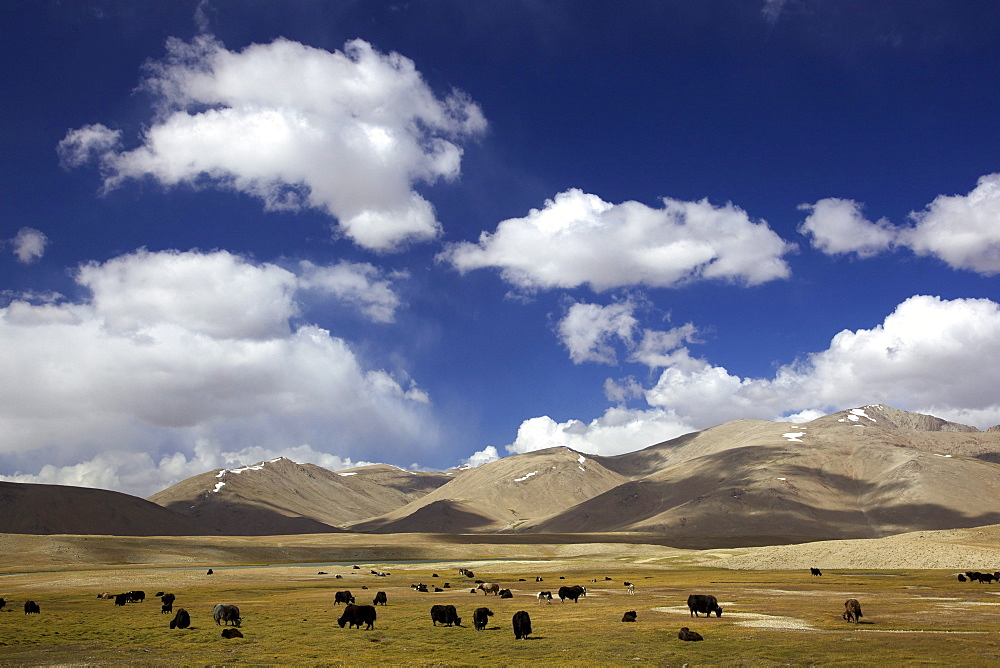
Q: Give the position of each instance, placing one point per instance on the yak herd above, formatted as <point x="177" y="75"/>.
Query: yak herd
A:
<point x="356" y="616"/>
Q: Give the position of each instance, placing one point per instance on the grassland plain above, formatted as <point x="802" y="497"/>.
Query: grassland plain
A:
<point x="770" y="617"/>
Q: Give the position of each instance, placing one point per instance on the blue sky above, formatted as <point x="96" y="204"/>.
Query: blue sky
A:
<point x="435" y="233"/>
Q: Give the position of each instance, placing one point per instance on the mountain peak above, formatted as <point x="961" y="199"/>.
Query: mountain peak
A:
<point x="892" y="418"/>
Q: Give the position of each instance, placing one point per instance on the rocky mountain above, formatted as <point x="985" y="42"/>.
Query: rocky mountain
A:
<point x="860" y="473"/>
<point x="283" y="497"/>
<point x="502" y="495"/>
<point x="61" y="509"/>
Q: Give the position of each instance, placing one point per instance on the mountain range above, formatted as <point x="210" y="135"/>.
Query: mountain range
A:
<point x="860" y="473"/>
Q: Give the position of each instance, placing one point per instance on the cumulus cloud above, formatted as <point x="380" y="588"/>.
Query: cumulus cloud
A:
<point x="360" y="284"/>
<point x="173" y="351"/>
<point x="349" y="133"/>
<point x="587" y="329"/>
<point x="29" y="245"/>
<point x="927" y="356"/>
<point x="579" y="239"/>
<point x="961" y="230"/>
<point x="592" y="333"/>
<point x="484" y="456"/>
<point x="618" y="430"/>
<point x="139" y="473"/>
<point x="837" y="226"/>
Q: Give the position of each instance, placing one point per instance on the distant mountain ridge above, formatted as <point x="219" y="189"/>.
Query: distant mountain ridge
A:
<point x="62" y="509"/>
<point x="859" y="473"/>
<point x="280" y="496"/>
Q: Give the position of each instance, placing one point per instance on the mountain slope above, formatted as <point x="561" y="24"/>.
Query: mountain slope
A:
<point x="61" y="509"/>
<point x="860" y="473"/>
<point x="856" y="474"/>
<point x="501" y="495"/>
<point x="283" y="497"/>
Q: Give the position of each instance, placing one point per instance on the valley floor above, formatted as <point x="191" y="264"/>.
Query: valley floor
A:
<point x="775" y="612"/>
<point x="289" y="616"/>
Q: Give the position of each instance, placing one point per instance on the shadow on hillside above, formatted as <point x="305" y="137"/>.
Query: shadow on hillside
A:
<point x="250" y="520"/>
<point x="643" y="462"/>
<point x="719" y="500"/>
<point x="442" y="516"/>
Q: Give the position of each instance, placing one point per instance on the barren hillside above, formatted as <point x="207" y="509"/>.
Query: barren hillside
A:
<point x="283" y="497"/>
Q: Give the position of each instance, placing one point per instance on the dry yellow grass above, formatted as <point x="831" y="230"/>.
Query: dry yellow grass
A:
<point x="774" y="616"/>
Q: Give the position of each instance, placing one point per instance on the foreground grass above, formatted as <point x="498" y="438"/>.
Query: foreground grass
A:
<point x="769" y="618"/>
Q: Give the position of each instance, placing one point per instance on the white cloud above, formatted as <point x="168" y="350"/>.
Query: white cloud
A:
<point x="29" y="245"/>
<point x="216" y="294"/>
<point x="140" y="474"/>
<point x="578" y="239"/>
<point x="618" y="430"/>
<point x="144" y="367"/>
<point x="587" y="329"/>
<point x="349" y="133"/>
<point x="837" y="226"/>
<point x="962" y="230"/>
<point x="927" y="356"/>
<point x="484" y="456"/>
<point x="590" y="333"/>
<point x="658" y="348"/>
<point x="360" y="284"/>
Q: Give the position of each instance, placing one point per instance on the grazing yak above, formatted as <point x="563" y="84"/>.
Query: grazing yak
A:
<point x="3" y="602"/>
<point x="489" y="588"/>
<point x="630" y="589"/>
<point x="705" y="604"/>
<point x="181" y="619"/>
<point x="629" y="616"/>
<point x="687" y="634"/>
<point x="852" y="610"/>
<point x="137" y="595"/>
<point x="356" y="615"/>
<point x="224" y="613"/>
<point x="343" y="597"/>
<point x="522" y="625"/>
<point x="445" y="614"/>
<point x="380" y="598"/>
<point x="231" y="633"/>
<point x="31" y="608"/>
<point x="481" y="617"/>
<point x="815" y="571"/>
<point x="121" y="599"/>
<point x="167" y="601"/>
<point x="961" y="578"/>
<point x="572" y="593"/>
<point x="505" y="593"/>
<point x="544" y="596"/>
